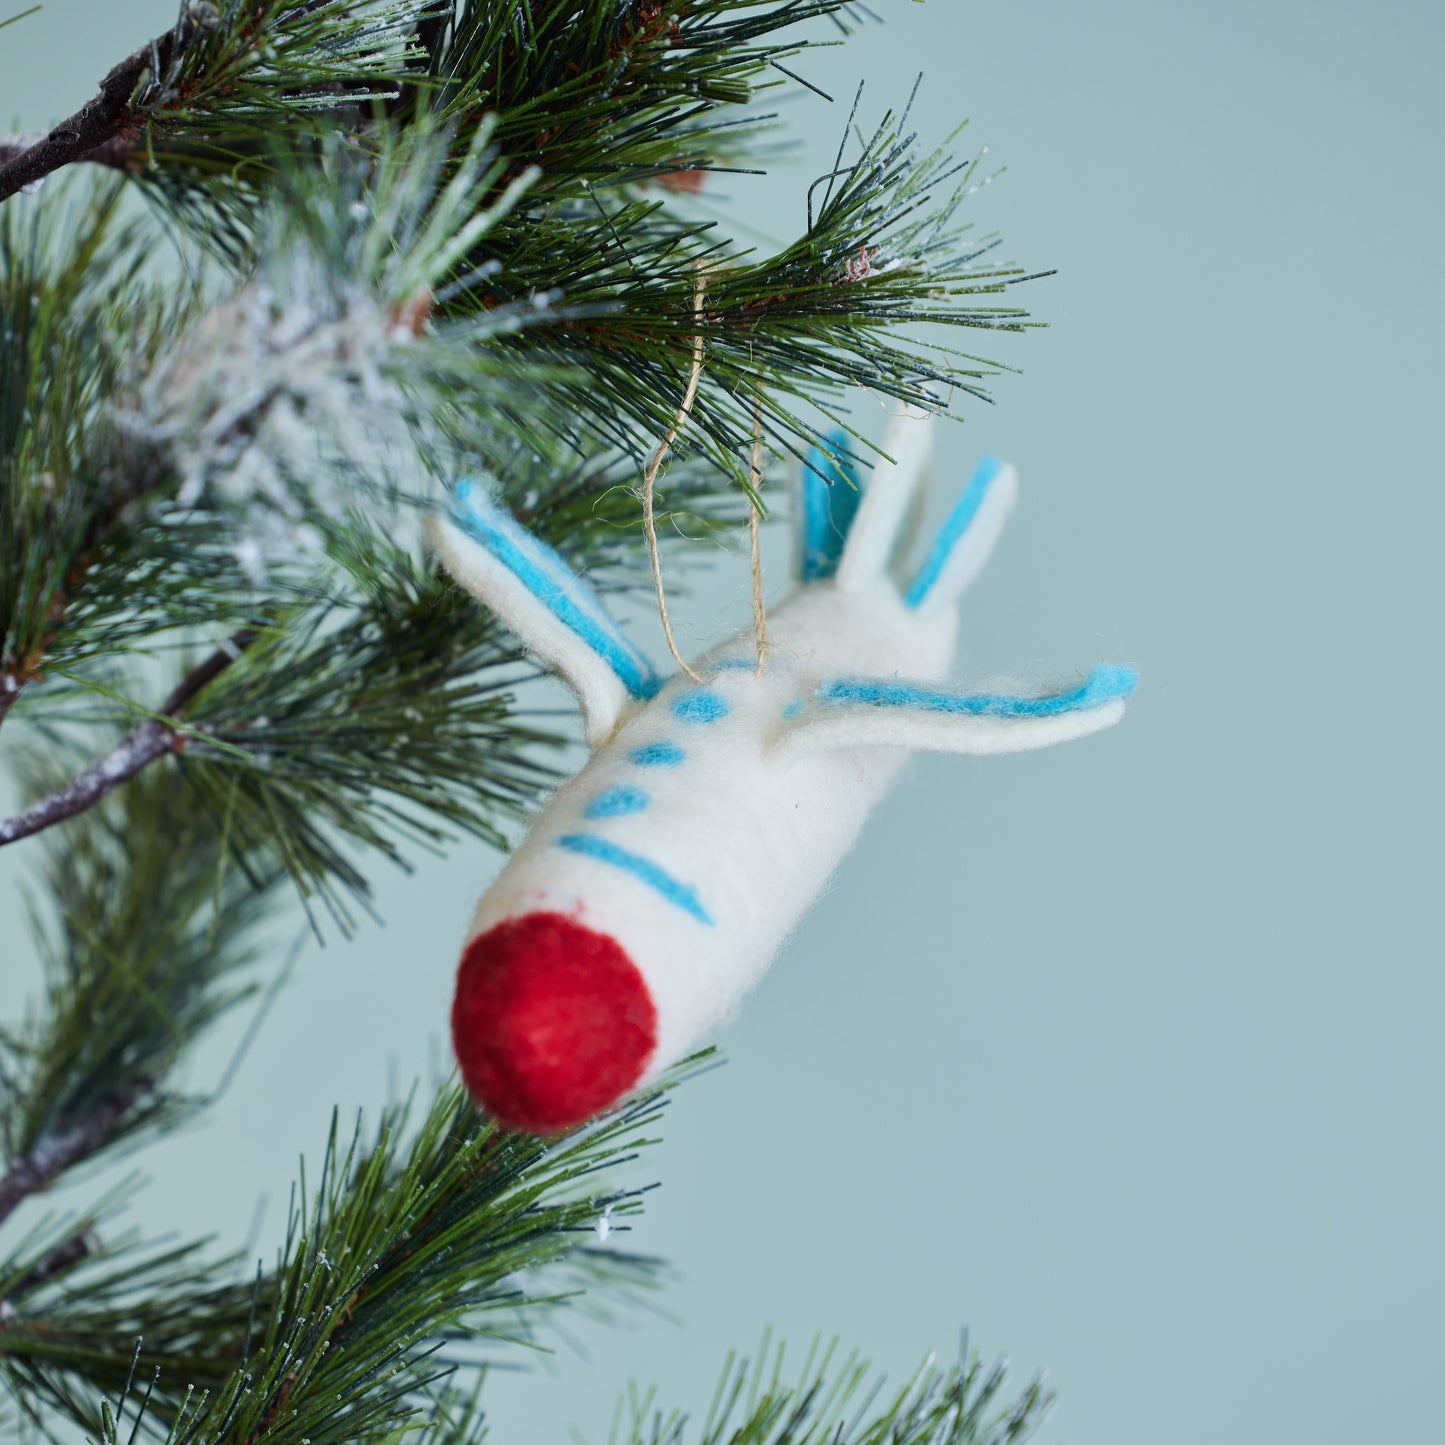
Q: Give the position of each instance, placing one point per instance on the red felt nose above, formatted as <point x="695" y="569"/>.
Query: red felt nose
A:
<point x="551" y="1023"/>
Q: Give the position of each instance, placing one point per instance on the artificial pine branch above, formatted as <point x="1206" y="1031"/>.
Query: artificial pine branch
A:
<point x="237" y="65"/>
<point x="24" y="161"/>
<point x="40" y="1166"/>
<point x="153" y="739"/>
<point x="419" y="243"/>
<point x="151" y="941"/>
<point x="670" y="88"/>
<point x="76" y="315"/>
<point x="114" y="153"/>
<point x="396" y="1264"/>
<point x="837" y="1403"/>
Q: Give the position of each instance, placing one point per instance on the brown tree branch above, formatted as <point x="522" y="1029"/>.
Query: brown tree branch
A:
<point x="65" y="1254"/>
<point x="151" y="740"/>
<point x="10" y="686"/>
<point x="114" y="152"/>
<point x="154" y="738"/>
<point x="48" y="1160"/>
<point x="97" y="123"/>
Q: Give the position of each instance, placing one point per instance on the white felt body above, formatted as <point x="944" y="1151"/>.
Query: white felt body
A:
<point x="753" y="831"/>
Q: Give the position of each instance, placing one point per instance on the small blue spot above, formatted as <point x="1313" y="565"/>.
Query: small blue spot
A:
<point x="618" y="803"/>
<point x="657" y="755"/>
<point x="794" y="709"/>
<point x="702" y="705"/>
<point x="734" y="664"/>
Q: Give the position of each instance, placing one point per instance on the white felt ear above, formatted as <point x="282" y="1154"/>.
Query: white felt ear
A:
<point x="967" y="539"/>
<point x="887" y="500"/>
<point x="600" y="691"/>
<point x="863" y="727"/>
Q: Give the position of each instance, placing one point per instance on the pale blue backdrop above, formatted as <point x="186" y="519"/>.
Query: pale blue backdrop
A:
<point x="1127" y="1054"/>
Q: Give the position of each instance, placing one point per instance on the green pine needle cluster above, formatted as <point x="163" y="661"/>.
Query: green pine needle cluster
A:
<point x="129" y="985"/>
<point x="321" y="262"/>
<point x="834" y="1402"/>
<point x="401" y="1260"/>
<point x="239" y="67"/>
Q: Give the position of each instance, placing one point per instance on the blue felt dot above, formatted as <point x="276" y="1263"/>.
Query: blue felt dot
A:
<point x="657" y="755"/>
<point x="618" y="803"/>
<point x="702" y="705"/>
<point x="794" y="709"/>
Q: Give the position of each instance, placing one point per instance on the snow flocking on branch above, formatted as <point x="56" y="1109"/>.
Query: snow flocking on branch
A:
<point x="304" y="395"/>
<point x="277" y="407"/>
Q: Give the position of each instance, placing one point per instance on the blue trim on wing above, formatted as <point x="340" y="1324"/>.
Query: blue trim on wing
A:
<point x="831" y="495"/>
<point x="1104" y="684"/>
<point x="554" y="584"/>
<point x="589" y="845"/>
<point x="965" y="510"/>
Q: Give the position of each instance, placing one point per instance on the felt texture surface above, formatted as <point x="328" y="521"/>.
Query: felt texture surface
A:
<point x="554" y="613"/>
<point x="551" y="1022"/>
<point x="658" y="755"/>
<point x="710" y="817"/>
<point x="924" y="730"/>
<point x="828" y="498"/>
<point x="883" y="513"/>
<point x="618" y="803"/>
<point x="653" y="875"/>
<point x="968" y="537"/>
<point x="1104" y="684"/>
<point x="702" y="705"/>
<point x="866" y="712"/>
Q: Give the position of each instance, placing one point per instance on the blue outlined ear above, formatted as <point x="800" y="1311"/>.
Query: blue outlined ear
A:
<point x="883" y="712"/>
<point x="887" y="500"/>
<point x="829" y="495"/>
<point x="967" y="539"/>
<point x="553" y="612"/>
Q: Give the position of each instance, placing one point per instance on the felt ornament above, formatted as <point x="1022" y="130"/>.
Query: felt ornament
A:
<point x="656" y="887"/>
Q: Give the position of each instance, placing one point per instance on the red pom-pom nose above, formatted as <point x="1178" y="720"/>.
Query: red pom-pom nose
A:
<point x="552" y="1022"/>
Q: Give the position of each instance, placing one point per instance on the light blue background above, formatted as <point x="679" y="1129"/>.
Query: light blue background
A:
<point x="1127" y="1054"/>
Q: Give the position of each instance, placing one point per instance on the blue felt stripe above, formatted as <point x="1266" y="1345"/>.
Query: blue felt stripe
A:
<point x="831" y="495"/>
<point x="643" y="869"/>
<point x="953" y="530"/>
<point x="1104" y="684"/>
<point x="657" y="755"/>
<point x="701" y="705"/>
<point x="618" y="803"/>
<point x="544" y="574"/>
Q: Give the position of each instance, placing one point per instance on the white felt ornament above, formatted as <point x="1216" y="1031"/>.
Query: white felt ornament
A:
<point x="657" y="886"/>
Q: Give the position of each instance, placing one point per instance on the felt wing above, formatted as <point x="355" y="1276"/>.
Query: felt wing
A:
<point x="967" y="538"/>
<point x="829" y="492"/>
<point x="882" y="712"/>
<point x="554" y="613"/>
<point x="882" y="512"/>
<point x="860" y="547"/>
